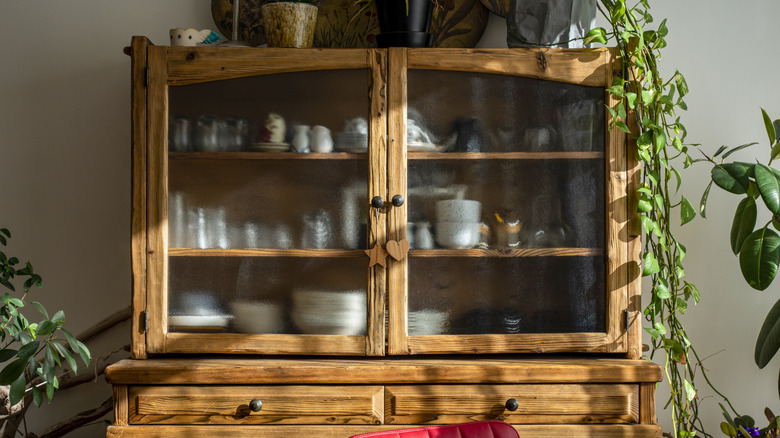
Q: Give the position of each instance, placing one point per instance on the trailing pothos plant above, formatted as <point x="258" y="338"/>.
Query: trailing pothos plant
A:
<point x="31" y="352"/>
<point x="647" y="112"/>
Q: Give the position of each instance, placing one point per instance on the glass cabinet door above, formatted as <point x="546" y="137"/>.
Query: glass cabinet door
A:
<point x="512" y="245"/>
<point x="258" y="202"/>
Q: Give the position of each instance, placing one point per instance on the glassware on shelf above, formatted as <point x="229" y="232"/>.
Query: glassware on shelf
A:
<point x="179" y="134"/>
<point x="206" y="136"/>
<point x="547" y="228"/>
<point x="508" y="231"/>
<point x="317" y="230"/>
<point x="423" y="237"/>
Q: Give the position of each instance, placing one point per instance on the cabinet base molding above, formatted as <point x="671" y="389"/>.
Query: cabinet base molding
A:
<point x="571" y="431"/>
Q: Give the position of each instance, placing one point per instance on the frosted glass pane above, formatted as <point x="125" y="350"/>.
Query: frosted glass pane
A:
<point x="278" y="204"/>
<point x="497" y="113"/>
<point x="510" y="295"/>
<point x="267" y="295"/>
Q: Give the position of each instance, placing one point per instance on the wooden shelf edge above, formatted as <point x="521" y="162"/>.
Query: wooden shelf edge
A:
<point x="251" y="252"/>
<point x="514" y="253"/>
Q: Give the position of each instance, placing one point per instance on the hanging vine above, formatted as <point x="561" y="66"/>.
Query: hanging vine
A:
<point x="648" y="113"/>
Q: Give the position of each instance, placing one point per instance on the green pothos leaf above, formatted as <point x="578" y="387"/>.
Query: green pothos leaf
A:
<point x="687" y="212"/>
<point x="650" y="265"/>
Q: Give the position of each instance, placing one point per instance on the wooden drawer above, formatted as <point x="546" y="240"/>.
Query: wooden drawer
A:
<point x="537" y="404"/>
<point x="525" y="431"/>
<point x="280" y="404"/>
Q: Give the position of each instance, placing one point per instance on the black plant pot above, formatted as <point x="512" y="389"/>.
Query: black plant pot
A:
<point x="402" y="29"/>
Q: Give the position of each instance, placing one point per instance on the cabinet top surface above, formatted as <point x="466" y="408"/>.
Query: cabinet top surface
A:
<point x="381" y="371"/>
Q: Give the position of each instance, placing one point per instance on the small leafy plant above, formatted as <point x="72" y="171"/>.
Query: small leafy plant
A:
<point x="744" y="426"/>
<point x="31" y="352"/>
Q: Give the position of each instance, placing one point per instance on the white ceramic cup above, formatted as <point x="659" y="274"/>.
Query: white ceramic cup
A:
<point x="457" y="235"/>
<point x="458" y="210"/>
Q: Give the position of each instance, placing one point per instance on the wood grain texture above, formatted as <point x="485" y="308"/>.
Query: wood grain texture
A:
<point x="252" y="252"/>
<point x="121" y="409"/>
<point x="138" y="196"/>
<point x="647" y="403"/>
<point x="505" y="155"/>
<point x="378" y="371"/>
<point x="398" y="270"/>
<point x="583" y="67"/>
<point x="188" y="65"/>
<point x="617" y="222"/>
<point x="556" y="404"/>
<point x="280" y="405"/>
<point x="236" y="343"/>
<point x="157" y="201"/>
<point x="192" y="156"/>
<point x="377" y="173"/>
<point x="526" y="252"/>
<point x="514" y="343"/>
<point x="525" y="431"/>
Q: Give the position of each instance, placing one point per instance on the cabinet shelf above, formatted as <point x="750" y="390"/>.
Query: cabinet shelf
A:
<point x="252" y="252"/>
<point x="183" y="156"/>
<point x="505" y="155"/>
<point x="344" y="253"/>
<point x="526" y="252"/>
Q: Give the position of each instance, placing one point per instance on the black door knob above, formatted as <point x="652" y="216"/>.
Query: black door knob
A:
<point x="255" y="405"/>
<point x="397" y="200"/>
<point x="377" y="202"/>
<point x="512" y="405"/>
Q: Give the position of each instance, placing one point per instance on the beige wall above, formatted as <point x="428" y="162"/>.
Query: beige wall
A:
<point x="65" y="164"/>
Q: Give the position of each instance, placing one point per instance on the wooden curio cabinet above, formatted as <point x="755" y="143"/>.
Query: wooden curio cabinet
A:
<point x="275" y="194"/>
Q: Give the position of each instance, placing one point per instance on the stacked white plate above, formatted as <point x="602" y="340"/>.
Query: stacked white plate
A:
<point x="257" y="317"/>
<point x="428" y="322"/>
<point x="329" y="313"/>
<point x="354" y="142"/>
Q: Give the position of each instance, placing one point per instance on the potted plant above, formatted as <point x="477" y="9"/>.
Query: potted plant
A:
<point x="290" y="23"/>
<point x="403" y="23"/>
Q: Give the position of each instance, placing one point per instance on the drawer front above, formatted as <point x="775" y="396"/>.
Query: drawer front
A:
<point x="525" y="431"/>
<point x="280" y="404"/>
<point x="536" y="404"/>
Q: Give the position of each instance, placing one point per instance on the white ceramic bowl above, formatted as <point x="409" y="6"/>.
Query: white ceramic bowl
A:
<point x="457" y="235"/>
<point x="257" y="317"/>
<point x="458" y="210"/>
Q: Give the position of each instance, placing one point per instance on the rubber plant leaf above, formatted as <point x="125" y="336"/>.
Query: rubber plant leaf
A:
<point x="759" y="258"/>
<point x="768" y="341"/>
<point x="769" y="187"/>
<point x="743" y="224"/>
<point x="731" y="177"/>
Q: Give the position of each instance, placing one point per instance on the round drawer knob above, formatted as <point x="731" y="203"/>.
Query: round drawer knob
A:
<point x="512" y="405"/>
<point x="377" y="202"/>
<point x="255" y="405"/>
<point x="397" y="200"/>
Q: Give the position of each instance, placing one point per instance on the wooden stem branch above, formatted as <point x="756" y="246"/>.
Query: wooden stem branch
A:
<point x="78" y="420"/>
<point x="105" y="324"/>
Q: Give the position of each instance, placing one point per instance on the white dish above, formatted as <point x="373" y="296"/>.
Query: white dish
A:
<point x="423" y="147"/>
<point x="270" y="147"/>
<point x="457" y="235"/>
<point x="257" y="317"/>
<point x="199" y="320"/>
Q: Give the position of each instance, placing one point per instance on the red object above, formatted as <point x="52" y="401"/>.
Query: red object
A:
<point x="477" y="429"/>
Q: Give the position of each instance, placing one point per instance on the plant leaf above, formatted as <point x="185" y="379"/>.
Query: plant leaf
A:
<point x="12" y="371"/>
<point x="650" y="265"/>
<point x="769" y="187"/>
<point x="738" y="148"/>
<point x="731" y="177"/>
<point x="768" y="341"/>
<point x="16" y="393"/>
<point x="687" y="212"/>
<point x="759" y="258"/>
<point x="690" y="391"/>
<point x="743" y="224"/>
<point x="598" y="35"/>
<point x="770" y="128"/>
<point x="703" y="202"/>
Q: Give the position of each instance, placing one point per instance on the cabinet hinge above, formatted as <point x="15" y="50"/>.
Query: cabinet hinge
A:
<point x="146" y="321"/>
<point x="627" y="320"/>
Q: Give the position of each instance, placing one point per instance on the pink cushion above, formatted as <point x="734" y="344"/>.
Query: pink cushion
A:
<point x="477" y="429"/>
